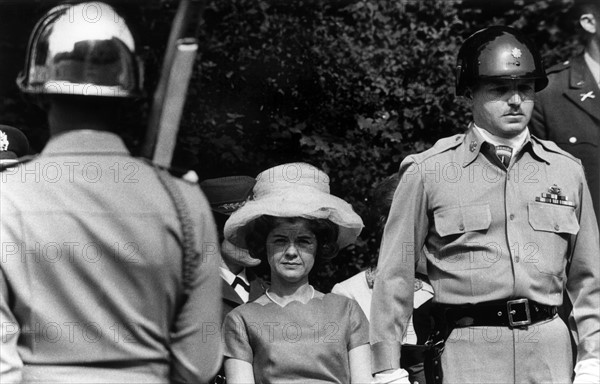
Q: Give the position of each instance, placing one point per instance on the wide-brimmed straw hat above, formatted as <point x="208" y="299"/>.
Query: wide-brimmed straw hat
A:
<point x="294" y="190"/>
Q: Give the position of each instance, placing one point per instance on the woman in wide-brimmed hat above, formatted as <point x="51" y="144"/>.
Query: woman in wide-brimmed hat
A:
<point x="293" y="333"/>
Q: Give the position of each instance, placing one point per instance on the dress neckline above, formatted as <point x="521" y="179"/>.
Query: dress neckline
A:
<point x="312" y="296"/>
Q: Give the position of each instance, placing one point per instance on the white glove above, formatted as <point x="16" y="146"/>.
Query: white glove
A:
<point x="587" y="371"/>
<point x="191" y="176"/>
<point x="399" y="376"/>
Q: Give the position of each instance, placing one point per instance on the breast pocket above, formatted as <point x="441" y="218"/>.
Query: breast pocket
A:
<point x="460" y="231"/>
<point x="459" y="220"/>
<point x="554" y="225"/>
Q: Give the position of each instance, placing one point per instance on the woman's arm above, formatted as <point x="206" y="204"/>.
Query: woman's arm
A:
<point x="360" y="365"/>
<point x="240" y="371"/>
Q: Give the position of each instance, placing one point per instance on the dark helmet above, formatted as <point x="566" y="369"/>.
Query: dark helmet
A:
<point x="498" y="52"/>
<point x="13" y="144"/>
<point x="84" y="49"/>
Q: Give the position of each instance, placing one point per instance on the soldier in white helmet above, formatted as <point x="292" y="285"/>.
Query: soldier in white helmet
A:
<point x="110" y="266"/>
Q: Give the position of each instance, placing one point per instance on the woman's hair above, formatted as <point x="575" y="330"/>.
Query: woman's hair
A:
<point x="324" y="230"/>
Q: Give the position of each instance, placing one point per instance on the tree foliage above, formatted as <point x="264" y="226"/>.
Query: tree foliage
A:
<point x="350" y="86"/>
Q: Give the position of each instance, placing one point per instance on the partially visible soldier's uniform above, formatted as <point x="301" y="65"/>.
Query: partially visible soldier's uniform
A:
<point x="225" y="196"/>
<point x="109" y="269"/>
<point x="503" y="242"/>
<point x="568" y="113"/>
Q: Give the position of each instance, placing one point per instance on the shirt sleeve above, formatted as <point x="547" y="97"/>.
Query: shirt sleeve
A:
<point x="583" y="281"/>
<point x="237" y="342"/>
<point x="196" y="348"/>
<point x="404" y="233"/>
<point x="10" y="360"/>
<point x="359" y="326"/>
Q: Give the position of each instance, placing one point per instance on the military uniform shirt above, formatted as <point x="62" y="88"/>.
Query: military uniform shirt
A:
<point x="91" y="270"/>
<point x="487" y="237"/>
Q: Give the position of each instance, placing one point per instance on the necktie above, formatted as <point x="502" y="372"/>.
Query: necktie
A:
<point x="241" y="282"/>
<point x="504" y="152"/>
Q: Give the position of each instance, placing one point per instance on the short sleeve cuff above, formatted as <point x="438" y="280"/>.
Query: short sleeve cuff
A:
<point x="385" y="355"/>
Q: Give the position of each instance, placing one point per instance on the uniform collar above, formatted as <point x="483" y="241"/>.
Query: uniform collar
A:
<point x="229" y="276"/>
<point x="583" y="89"/>
<point x="85" y="141"/>
<point x="515" y="142"/>
<point x="473" y="142"/>
<point x="593" y="66"/>
<point x="580" y="74"/>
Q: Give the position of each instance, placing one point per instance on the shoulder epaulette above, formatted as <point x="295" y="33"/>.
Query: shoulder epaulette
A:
<point x="551" y="146"/>
<point x="20" y="160"/>
<point x="558" y="67"/>
<point x="442" y="145"/>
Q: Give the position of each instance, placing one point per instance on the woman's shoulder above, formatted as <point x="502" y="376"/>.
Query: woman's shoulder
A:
<point x="250" y="308"/>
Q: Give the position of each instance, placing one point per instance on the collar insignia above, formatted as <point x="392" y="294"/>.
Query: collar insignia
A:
<point x="370" y="276"/>
<point x="590" y="95"/>
<point x="516" y="53"/>
<point x="473" y="146"/>
<point x="3" y="142"/>
<point x="232" y="206"/>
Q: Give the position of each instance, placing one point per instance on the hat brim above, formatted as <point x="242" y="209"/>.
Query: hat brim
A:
<point x="296" y="203"/>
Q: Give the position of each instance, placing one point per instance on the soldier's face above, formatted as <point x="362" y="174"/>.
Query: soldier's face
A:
<point x="503" y="107"/>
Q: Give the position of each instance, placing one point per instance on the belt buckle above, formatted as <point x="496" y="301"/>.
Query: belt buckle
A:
<point x="512" y="313"/>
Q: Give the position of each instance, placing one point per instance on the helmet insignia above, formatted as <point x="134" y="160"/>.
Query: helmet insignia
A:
<point x="516" y="53"/>
<point x="3" y="141"/>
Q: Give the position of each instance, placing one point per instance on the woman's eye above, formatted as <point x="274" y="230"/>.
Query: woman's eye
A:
<point x="306" y="241"/>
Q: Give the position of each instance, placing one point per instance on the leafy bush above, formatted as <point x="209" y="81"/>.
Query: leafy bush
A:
<point x="350" y="86"/>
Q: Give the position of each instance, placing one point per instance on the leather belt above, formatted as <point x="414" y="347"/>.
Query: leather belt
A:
<point x="514" y="313"/>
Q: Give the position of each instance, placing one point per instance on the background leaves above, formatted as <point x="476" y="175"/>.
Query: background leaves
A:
<point x="349" y="86"/>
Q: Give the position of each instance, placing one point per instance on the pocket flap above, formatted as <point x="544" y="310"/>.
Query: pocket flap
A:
<point x="457" y="220"/>
<point x="553" y="218"/>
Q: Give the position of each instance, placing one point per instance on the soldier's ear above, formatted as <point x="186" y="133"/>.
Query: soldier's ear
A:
<point x="588" y="22"/>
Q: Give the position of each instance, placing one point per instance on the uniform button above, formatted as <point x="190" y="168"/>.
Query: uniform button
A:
<point x="572" y="139"/>
<point x="461" y="227"/>
<point x="556" y="227"/>
<point x="512" y="217"/>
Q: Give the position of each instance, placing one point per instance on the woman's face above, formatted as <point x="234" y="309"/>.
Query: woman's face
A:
<point x="291" y="250"/>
